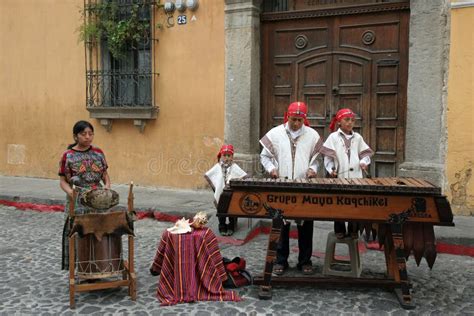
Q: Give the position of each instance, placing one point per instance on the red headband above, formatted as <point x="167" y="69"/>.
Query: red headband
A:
<point x="342" y="113"/>
<point x="224" y="150"/>
<point x="298" y="109"/>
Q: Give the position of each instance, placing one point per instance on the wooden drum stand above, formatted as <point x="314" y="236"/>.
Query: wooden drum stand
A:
<point x="99" y="279"/>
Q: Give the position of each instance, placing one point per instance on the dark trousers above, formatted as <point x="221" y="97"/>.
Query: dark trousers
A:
<point x="340" y="228"/>
<point x="305" y="244"/>
<point x="232" y="222"/>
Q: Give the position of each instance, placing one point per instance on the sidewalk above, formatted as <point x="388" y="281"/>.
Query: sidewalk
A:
<point x="186" y="203"/>
<point x="170" y="201"/>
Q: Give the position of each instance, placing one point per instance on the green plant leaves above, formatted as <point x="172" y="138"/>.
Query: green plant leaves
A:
<point x="122" y="28"/>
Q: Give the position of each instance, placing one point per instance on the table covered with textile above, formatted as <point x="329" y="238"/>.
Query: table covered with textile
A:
<point x="191" y="268"/>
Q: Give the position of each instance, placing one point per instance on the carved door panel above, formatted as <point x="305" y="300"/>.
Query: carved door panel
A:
<point x="357" y="61"/>
<point x="381" y="40"/>
<point x="350" y="86"/>
<point x="290" y="70"/>
<point x="330" y="82"/>
<point x="314" y="88"/>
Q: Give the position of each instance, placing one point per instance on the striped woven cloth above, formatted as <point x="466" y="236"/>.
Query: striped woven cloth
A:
<point x="191" y="268"/>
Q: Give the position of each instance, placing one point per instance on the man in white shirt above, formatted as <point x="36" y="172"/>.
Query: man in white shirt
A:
<point x="290" y="151"/>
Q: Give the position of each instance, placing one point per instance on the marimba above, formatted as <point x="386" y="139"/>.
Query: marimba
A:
<point x="404" y="209"/>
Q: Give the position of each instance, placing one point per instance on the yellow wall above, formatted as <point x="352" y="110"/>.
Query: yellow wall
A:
<point x="42" y="84"/>
<point x="460" y="156"/>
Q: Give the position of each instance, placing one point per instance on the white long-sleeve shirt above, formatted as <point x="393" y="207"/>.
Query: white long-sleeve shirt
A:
<point x="276" y="152"/>
<point x="344" y="153"/>
<point x="218" y="179"/>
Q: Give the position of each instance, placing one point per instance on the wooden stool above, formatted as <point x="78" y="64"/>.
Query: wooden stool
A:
<point x="354" y="258"/>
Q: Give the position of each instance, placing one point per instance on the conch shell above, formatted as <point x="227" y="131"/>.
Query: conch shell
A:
<point x="199" y="220"/>
<point x="181" y="226"/>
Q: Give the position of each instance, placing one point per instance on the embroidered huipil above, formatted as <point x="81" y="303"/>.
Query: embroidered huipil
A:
<point x="83" y="168"/>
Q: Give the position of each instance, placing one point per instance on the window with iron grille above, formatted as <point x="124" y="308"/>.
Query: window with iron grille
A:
<point x="119" y="37"/>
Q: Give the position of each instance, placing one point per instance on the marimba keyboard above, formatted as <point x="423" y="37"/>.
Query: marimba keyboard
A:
<point x="373" y="199"/>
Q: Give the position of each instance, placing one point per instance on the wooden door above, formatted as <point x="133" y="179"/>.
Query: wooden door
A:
<point x="333" y="59"/>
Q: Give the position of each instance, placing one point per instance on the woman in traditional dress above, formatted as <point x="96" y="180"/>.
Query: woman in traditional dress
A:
<point x="82" y="167"/>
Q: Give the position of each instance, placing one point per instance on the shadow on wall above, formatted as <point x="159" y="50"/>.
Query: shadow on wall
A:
<point x="460" y="197"/>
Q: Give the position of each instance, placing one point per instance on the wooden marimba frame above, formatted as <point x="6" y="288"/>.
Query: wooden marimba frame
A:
<point x="400" y="206"/>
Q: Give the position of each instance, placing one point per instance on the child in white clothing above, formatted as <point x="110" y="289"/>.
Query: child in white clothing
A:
<point x="218" y="177"/>
<point x="346" y="155"/>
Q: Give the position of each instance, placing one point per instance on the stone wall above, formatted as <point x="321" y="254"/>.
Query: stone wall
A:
<point x="425" y="144"/>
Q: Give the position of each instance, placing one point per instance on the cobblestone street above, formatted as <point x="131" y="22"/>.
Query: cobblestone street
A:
<point x="32" y="282"/>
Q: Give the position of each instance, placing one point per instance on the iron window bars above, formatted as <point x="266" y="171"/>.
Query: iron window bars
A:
<point x="119" y="69"/>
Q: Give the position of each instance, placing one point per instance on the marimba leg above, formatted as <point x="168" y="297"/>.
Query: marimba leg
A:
<point x="403" y="293"/>
<point x="266" y="288"/>
<point x="390" y="256"/>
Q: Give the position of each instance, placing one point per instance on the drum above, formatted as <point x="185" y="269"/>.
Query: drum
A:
<point x="99" y="199"/>
<point x="99" y="259"/>
<point x="99" y="245"/>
